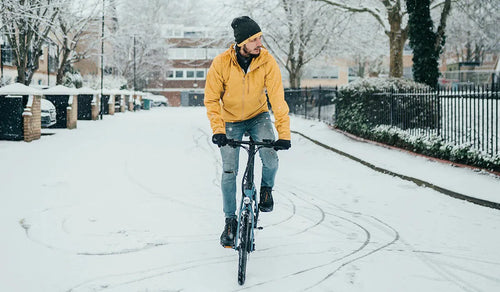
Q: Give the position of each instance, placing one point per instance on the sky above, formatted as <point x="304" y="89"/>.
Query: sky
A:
<point x="132" y="203"/>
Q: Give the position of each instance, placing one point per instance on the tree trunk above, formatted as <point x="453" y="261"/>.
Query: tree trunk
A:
<point x="294" y="79"/>
<point x="63" y="64"/>
<point x="397" y="39"/>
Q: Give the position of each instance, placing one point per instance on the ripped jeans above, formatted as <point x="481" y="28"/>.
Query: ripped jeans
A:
<point x="260" y="127"/>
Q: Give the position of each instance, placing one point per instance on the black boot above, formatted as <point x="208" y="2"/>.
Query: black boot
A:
<point x="266" y="199"/>
<point x="229" y="233"/>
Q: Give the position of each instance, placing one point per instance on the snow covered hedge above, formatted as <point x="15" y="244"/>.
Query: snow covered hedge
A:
<point x="365" y="103"/>
<point x="369" y="109"/>
<point x="434" y="146"/>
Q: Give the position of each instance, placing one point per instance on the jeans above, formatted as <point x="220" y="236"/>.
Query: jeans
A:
<point x="259" y="128"/>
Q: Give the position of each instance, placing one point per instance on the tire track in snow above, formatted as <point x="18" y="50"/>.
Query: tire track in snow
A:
<point x="124" y="279"/>
<point x="354" y="255"/>
<point x="346" y="259"/>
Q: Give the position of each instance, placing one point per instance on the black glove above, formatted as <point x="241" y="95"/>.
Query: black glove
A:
<point x="282" y="145"/>
<point x="219" y="139"/>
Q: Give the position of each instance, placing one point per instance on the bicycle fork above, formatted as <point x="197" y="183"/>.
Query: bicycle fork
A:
<point x="246" y="209"/>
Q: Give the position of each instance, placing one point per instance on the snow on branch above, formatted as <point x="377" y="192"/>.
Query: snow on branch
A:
<point x="371" y="10"/>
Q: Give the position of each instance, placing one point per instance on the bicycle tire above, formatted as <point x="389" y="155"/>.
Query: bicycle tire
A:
<point x="243" y="248"/>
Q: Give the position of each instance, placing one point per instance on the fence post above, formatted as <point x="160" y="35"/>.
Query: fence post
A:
<point x="336" y="109"/>
<point x="391" y="98"/>
<point x="438" y="110"/>
<point x="494" y="95"/>
<point x="320" y="103"/>
<point x="305" y="104"/>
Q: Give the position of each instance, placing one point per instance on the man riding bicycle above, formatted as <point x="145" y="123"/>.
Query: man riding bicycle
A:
<point x="236" y="102"/>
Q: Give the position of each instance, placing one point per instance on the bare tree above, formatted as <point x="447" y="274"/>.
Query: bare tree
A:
<point x="473" y="29"/>
<point x="296" y="31"/>
<point x="139" y="49"/>
<point x="392" y="16"/>
<point x="26" y="24"/>
<point x="73" y="23"/>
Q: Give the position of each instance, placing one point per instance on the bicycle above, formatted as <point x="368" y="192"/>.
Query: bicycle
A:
<point x="249" y="206"/>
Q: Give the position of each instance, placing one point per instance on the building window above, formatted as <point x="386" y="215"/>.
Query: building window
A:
<point x="326" y="73"/>
<point x="186" y="74"/>
<point x="7" y="54"/>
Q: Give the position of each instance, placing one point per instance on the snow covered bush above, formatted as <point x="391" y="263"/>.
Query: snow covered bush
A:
<point x="73" y="80"/>
<point x="369" y="102"/>
<point x="404" y="114"/>
<point x="434" y="146"/>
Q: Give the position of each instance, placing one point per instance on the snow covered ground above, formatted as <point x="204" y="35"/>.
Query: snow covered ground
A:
<point x="132" y="203"/>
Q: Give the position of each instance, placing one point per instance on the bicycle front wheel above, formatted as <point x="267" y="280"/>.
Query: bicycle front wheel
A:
<point x="243" y="248"/>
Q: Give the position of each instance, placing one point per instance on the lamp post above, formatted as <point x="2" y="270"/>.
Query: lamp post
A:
<point x="48" y="65"/>
<point x="1" y="59"/>
<point x="134" y="66"/>
<point x="102" y="59"/>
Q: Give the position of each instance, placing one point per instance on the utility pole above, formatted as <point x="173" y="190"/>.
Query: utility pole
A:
<point x="1" y="59"/>
<point x="48" y="65"/>
<point x="134" y="66"/>
<point x="102" y="59"/>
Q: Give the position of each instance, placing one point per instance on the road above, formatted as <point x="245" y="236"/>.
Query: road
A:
<point x="132" y="203"/>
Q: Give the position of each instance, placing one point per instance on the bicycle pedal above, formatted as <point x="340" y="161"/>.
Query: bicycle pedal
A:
<point x="227" y="246"/>
<point x="260" y="227"/>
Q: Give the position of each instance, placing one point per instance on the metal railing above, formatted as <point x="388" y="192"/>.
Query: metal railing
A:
<point x="467" y="115"/>
<point x="317" y="103"/>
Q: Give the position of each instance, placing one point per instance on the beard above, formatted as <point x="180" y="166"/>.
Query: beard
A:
<point x="248" y="53"/>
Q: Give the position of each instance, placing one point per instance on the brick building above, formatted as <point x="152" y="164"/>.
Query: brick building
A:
<point x="191" y="51"/>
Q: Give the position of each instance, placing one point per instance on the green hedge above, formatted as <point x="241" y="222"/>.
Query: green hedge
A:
<point x="362" y="109"/>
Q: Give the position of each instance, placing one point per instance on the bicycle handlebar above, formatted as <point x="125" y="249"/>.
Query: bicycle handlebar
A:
<point x="264" y="143"/>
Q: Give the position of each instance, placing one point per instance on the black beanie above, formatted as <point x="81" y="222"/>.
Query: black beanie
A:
<point x="244" y="27"/>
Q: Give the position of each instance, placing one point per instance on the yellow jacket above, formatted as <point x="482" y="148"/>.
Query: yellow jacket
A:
<point x="233" y="96"/>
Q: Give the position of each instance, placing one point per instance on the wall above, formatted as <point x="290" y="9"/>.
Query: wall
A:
<point x="72" y="113"/>
<point x="32" y="119"/>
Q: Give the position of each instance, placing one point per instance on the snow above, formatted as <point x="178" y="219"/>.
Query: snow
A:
<point x="18" y="88"/>
<point x="147" y="215"/>
<point x="60" y="90"/>
<point x="87" y="90"/>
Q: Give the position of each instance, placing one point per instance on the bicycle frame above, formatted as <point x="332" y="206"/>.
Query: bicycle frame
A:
<point x="249" y="200"/>
<point x="249" y="207"/>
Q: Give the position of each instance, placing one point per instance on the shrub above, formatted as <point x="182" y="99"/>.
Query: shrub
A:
<point x="365" y="103"/>
<point x="435" y="146"/>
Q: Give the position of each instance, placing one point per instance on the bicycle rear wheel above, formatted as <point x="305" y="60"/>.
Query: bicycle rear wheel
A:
<point x="243" y="248"/>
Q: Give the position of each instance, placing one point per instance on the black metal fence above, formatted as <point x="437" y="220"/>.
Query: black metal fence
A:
<point x="462" y="116"/>
<point x="317" y="103"/>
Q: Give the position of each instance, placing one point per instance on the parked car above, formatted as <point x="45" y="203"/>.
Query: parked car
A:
<point x="158" y="100"/>
<point x="48" y="113"/>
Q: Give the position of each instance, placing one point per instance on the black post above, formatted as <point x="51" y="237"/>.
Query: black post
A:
<point x="494" y="90"/>
<point x="320" y="102"/>
<point x="134" y="66"/>
<point x="305" y="105"/>
<point x="1" y="60"/>
<point x="102" y="59"/>
<point x="48" y="65"/>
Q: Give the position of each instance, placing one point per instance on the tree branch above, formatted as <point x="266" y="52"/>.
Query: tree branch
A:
<point x="370" y="11"/>
<point x="442" y="25"/>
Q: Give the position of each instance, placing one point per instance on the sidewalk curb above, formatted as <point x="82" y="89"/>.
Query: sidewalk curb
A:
<point x="417" y="181"/>
<point x="414" y="153"/>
